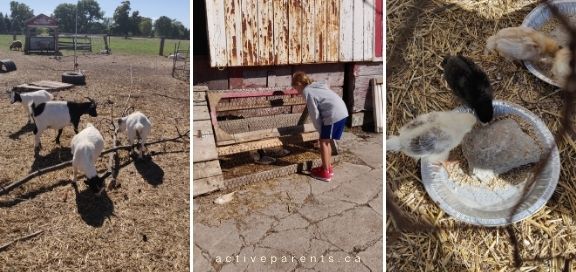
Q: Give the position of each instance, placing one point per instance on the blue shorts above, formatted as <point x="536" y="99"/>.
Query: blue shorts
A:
<point x="333" y="131"/>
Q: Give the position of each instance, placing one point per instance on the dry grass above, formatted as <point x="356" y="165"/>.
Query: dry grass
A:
<point x="141" y="226"/>
<point x="418" y="87"/>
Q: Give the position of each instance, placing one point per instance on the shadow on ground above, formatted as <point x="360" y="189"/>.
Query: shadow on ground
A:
<point x="93" y="209"/>
<point x="150" y="171"/>
<point x="56" y="156"/>
<point x="32" y="194"/>
<point x="23" y="130"/>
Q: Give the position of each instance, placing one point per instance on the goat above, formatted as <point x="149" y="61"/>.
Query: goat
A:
<point x="57" y="115"/>
<point x="138" y="128"/>
<point x="86" y="147"/>
<point x="16" y="44"/>
<point x="178" y="56"/>
<point x="36" y="97"/>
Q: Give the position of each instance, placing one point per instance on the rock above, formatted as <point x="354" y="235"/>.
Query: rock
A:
<point x="499" y="148"/>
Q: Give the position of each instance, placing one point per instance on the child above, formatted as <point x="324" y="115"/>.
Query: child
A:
<point x="328" y="113"/>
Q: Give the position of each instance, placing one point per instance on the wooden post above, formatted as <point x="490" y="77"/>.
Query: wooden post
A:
<point x="13" y="37"/>
<point x="106" y="44"/>
<point x="161" y="53"/>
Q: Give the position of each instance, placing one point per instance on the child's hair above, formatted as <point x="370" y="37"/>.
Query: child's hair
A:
<point x="300" y="79"/>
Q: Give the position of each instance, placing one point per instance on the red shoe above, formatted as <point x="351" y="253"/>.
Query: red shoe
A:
<point x="321" y="174"/>
<point x="331" y="170"/>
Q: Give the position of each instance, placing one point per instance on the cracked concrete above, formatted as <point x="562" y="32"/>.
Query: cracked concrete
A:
<point x="297" y="223"/>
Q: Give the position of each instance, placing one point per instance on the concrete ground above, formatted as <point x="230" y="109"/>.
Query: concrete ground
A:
<point x="297" y="223"/>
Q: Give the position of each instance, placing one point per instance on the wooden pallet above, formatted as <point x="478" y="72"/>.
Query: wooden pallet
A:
<point x="47" y="85"/>
<point x="256" y="132"/>
<point x="213" y="138"/>
<point x="207" y="172"/>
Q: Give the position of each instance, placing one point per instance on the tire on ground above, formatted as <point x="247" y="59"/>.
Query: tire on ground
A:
<point x="7" y="65"/>
<point x="74" y="78"/>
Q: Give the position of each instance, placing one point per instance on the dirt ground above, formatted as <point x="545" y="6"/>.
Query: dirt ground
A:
<point x="141" y="226"/>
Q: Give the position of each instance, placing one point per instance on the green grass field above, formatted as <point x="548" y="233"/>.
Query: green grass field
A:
<point x="119" y="45"/>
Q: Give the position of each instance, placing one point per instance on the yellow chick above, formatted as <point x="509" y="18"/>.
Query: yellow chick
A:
<point x="561" y="66"/>
<point x="223" y="199"/>
<point x="432" y="135"/>
<point x="522" y="43"/>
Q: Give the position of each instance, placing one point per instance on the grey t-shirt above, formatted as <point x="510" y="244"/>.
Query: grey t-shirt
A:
<point x="325" y="107"/>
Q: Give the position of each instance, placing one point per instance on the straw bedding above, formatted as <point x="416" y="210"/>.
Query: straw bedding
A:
<point x="416" y="87"/>
<point x="141" y="226"/>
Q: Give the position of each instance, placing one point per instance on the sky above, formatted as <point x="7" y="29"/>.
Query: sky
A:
<point x="175" y="9"/>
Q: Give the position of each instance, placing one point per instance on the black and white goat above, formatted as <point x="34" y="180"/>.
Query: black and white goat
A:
<point x="138" y="127"/>
<point x="86" y="147"/>
<point x="59" y="114"/>
<point x="26" y="99"/>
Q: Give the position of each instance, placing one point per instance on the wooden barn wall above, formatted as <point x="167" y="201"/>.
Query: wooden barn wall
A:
<point x="359" y="94"/>
<point x="280" y="32"/>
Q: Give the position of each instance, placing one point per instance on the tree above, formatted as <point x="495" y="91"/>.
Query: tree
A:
<point x="179" y="31"/>
<point x="88" y="13"/>
<point x="135" y="23"/>
<point x="122" y="19"/>
<point x="108" y="23"/>
<point x="2" y="23"/>
<point x="97" y="28"/>
<point x="7" y="23"/>
<point x="145" y="27"/>
<point x="163" y="26"/>
<point x="20" y="12"/>
<point x="65" y="14"/>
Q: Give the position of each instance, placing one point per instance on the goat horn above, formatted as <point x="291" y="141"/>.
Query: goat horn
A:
<point x="91" y="100"/>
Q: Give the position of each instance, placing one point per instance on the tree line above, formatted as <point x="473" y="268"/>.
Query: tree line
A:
<point x="91" y="20"/>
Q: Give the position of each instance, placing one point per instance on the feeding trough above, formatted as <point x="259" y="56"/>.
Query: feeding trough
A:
<point x="233" y="127"/>
<point x="480" y="205"/>
<point x="540" y="18"/>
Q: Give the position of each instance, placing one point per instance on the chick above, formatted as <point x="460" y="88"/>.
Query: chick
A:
<point x="522" y="43"/>
<point x="470" y="84"/>
<point x="432" y="135"/>
<point x="223" y="199"/>
<point x="561" y="66"/>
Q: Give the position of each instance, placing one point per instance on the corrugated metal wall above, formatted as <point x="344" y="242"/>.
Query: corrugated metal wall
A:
<point x="277" y="32"/>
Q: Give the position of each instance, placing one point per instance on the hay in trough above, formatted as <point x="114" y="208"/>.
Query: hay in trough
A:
<point x="543" y="241"/>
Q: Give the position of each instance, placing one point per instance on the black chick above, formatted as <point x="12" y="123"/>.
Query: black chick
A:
<point x="470" y="84"/>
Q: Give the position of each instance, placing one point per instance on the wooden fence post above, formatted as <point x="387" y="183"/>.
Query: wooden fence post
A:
<point x="161" y="53"/>
<point x="106" y="44"/>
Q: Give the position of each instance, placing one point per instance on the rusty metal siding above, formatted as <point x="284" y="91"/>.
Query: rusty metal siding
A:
<point x="265" y="32"/>
<point x="295" y="31"/>
<point x="234" y="31"/>
<point x="249" y="32"/>
<point x="332" y="30"/>
<point x="320" y="30"/>
<point x="280" y="32"/>
<point x="308" y="30"/>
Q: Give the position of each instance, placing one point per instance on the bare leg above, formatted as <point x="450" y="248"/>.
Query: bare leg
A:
<point x="326" y="153"/>
<point x="58" y="136"/>
<point x="74" y="176"/>
<point x="37" y="144"/>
